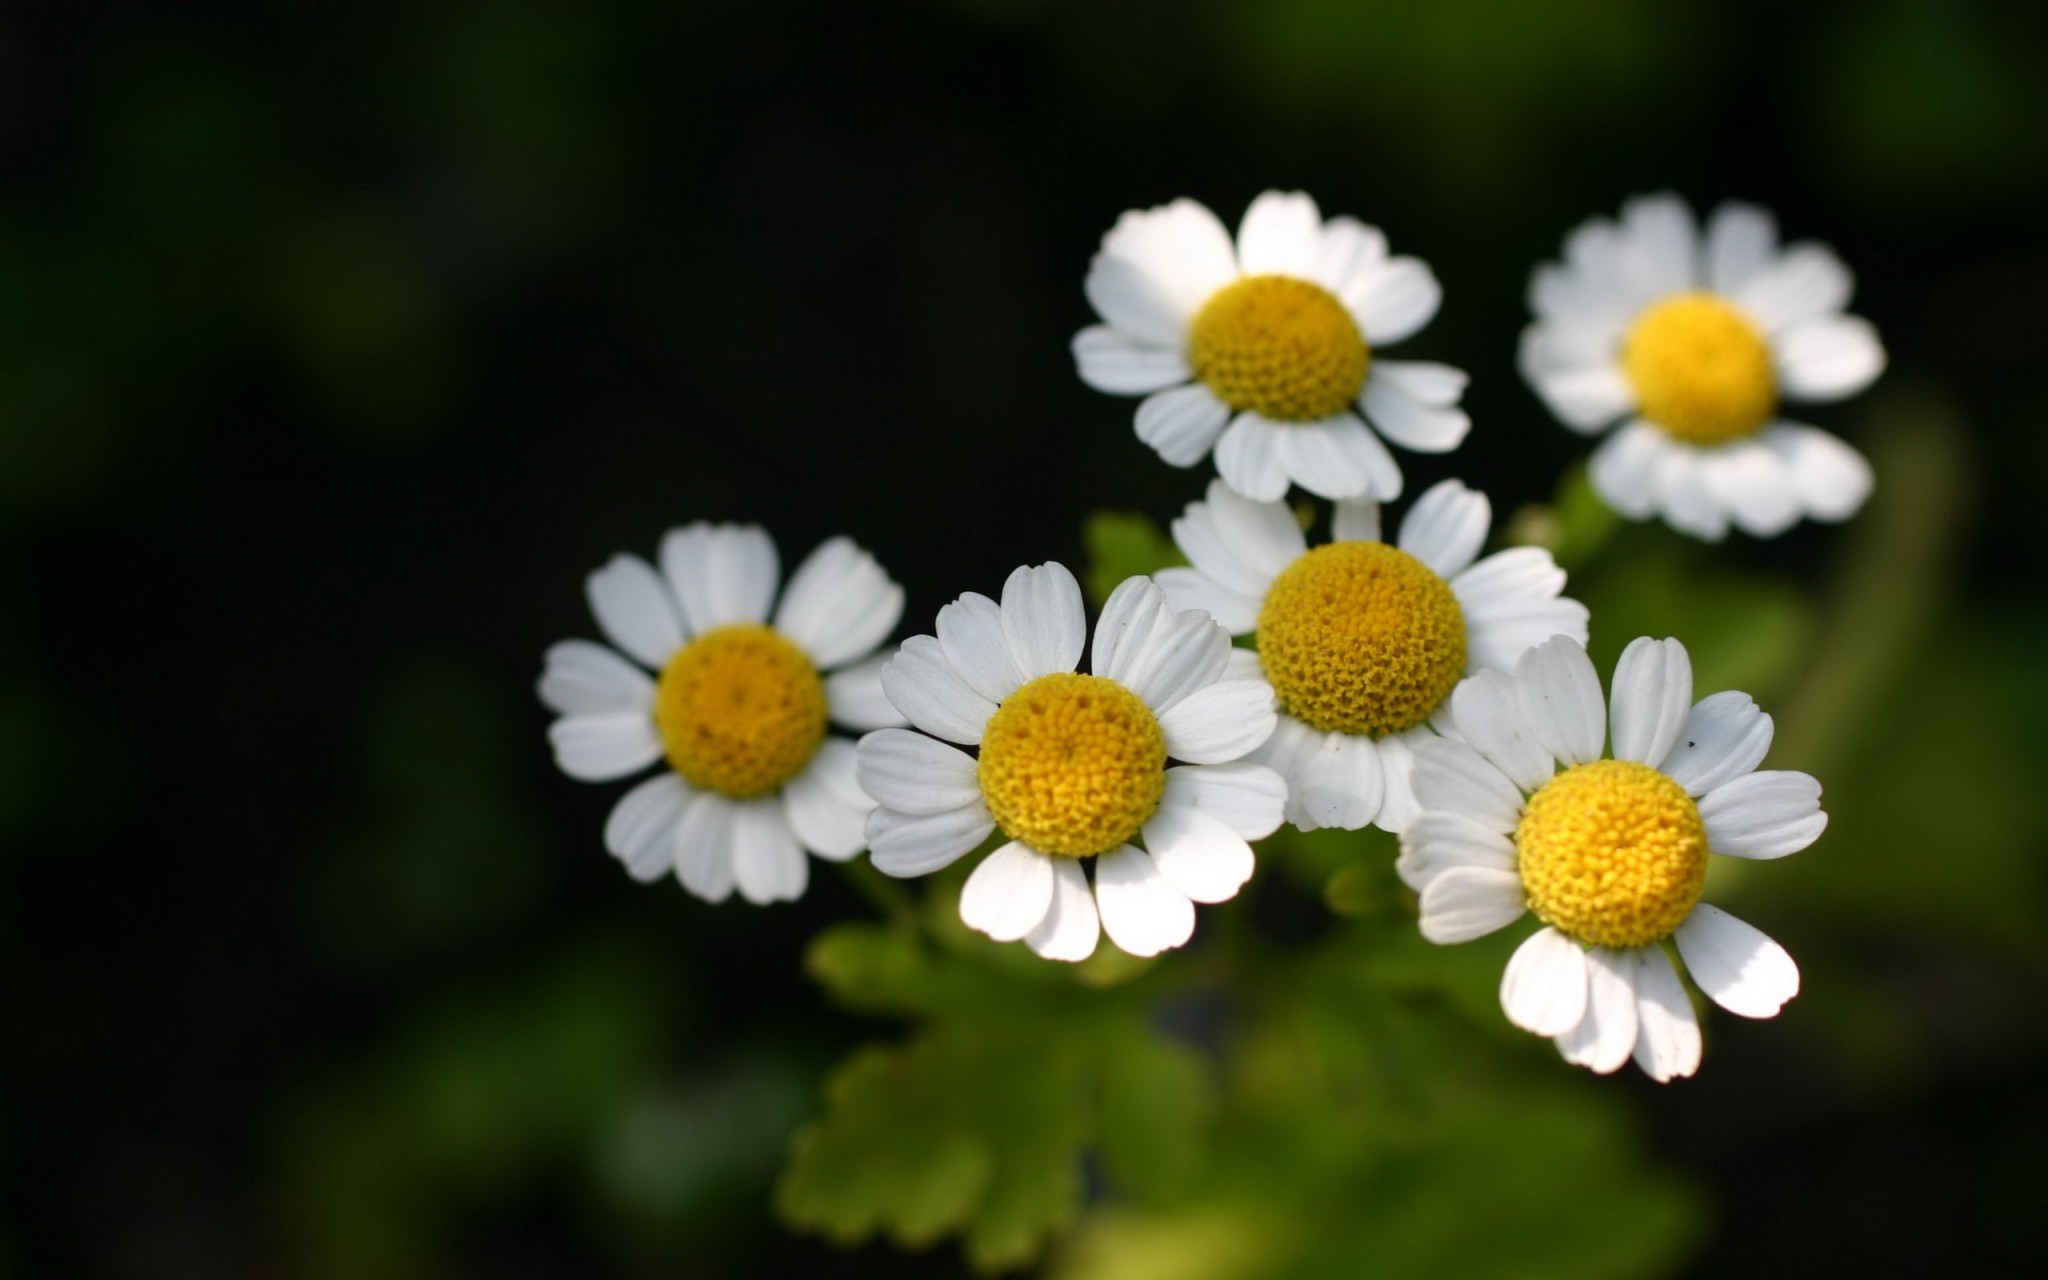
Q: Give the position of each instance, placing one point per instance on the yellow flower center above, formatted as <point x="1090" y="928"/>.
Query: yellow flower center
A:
<point x="1700" y="368"/>
<point x="741" y="710"/>
<point x="1361" y="637"/>
<point x="1072" y="764"/>
<point x="1612" y="853"/>
<point x="1281" y="347"/>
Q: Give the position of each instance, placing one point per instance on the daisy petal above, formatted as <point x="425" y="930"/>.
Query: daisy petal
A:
<point x="767" y="862"/>
<point x="915" y="844"/>
<point x="1201" y="858"/>
<point x="1350" y="252"/>
<point x="1667" y="1032"/>
<point x="825" y="806"/>
<point x="1455" y="778"/>
<point x="1586" y="397"/>
<point x="1141" y="911"/>
<point x="1263" y="536"/>
<point x="1135" y="609"/>
<point x="1043" y="619"/>
<point x="1806" y="281"/>
<point x="1220" y="723"/>
<point x="1338" y="458"/>
<point x="1501" y="636"/>
<point x="598" y="748"/>
<point x="1605" y="1036"/>
<point x="1425" y="382"/>
<point x="1182" y="423"/>
<point x="1559" y="693"/>
<point x="1071" y="926"/>
<point x="1282" y="234"/>
<point x="1337" y="782"/>
<point x="1398" y="806"/>
<point x="1726" y="736"/>
<point x="856" y="697"/>
<point x="1182" y="246"/>
<point x="1408" y="422"/>
<point x="1738" y="967"/>
<point x="1464" y="903"/>
<point x="1664" y="243"/>
<point x="1683" y="498"/>
<point x="1248" y="458"/>
<point x="911" y="773"/>
<point x="1436" y="842"/>
<point x="1355" y="520"/>
<point x="582" y="678"/>
<point x="971" y="636"/>
<point x="1828" y="357"/>
<point x="1753" y="485"/>
<point x="1134" y="303"/>
<point x="1182" y="652"/>
<point x="1009" y="894"/>
<point x="1544" y="988"/>
<point x="1488" y="711"/>
<point x="641" y="831"/>
<point x="1246" y="798"/>
<point x="1651" y="699"/>
<point x="840" y="604"/>
<point x="1740" y="241"/>
<point x="704" y="847"/>
<point x="1395" y="300"/>
<point x="1767" y="814"/>
<point x="1626" y="466"/>
<point x="925" y="688"/>
<point x="1122" y="365"/>
<point x="1221" y="551"/>
<point x="1192" y="589"/>
<point x="721" y="574"/>
<point x="1506" y="582"/>
<point x="634" y="610"/>
<point x="1446" y="527"/>
<point x="1832" y="478"/>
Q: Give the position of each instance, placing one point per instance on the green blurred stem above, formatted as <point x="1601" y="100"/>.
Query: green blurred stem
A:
<point x="1894" y="581"/>
<point x="888" y="896"/>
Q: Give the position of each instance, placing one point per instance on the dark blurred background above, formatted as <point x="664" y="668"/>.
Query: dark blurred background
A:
<point x="338" y="343"/>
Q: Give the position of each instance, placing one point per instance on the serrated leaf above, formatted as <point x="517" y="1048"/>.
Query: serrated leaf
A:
<point x="964" y="1129"/>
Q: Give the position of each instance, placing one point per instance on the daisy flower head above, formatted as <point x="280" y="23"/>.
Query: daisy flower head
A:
<point x="1267" y="351"/>
<point x="1363" y="640"/>
<point x="736" y="707"/>
<point x="1609" y="852"/>
<point x="1074" y="767"/>
<point x="1691" y="342"/>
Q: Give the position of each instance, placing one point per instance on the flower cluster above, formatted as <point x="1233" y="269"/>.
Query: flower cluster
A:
<point x="1410" y="682"/>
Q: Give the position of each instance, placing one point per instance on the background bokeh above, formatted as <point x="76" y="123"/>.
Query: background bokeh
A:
<point x="338" y="343"/>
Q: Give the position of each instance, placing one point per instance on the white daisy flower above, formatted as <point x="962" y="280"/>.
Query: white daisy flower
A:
<point x="1364" y="642"/>
<point x="1611" y="854"/>
<point x="1694" y="341"/>
<point x="1276" y="340"/>
<point x="1074" y="766"/>
<point x="737" y="707"/>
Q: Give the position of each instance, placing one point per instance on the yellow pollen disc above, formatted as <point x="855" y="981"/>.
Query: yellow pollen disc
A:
<point x="1700" y="368"/>
<point x="1361" y="637"/>
<point x="1281" y="347"/>
<point x="1612" y="853"/>
<point x="1072" y="764"/>
<point x="741" y="710"/>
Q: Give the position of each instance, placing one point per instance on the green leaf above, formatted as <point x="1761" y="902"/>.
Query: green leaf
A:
<point x="1157" y="1102"/>
<point x="964" y="1129"/>
<point x="1123" y="544"/>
